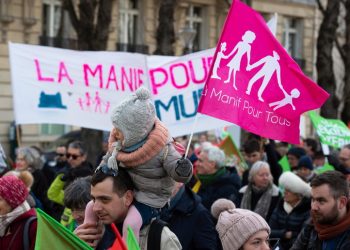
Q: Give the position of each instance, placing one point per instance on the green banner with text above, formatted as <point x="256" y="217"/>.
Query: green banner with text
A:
<point x="331" y="132"/>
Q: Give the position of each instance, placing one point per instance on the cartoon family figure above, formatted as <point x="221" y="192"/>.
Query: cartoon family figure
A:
<point x="268" y="66"/>
<point x="86" y="104"/>
<point x="243" y="47"/>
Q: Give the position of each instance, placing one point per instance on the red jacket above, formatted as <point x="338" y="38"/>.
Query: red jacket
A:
<point x="14" y="241"/>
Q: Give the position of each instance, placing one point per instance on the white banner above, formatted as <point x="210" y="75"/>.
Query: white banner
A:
<point x="61" y="86"/>
<point x="176" y="84"/>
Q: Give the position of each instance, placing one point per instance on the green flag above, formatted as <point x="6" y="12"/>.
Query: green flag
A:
<point x="284" y="163"/>
<point x="233" y="155"/>
<point x="331" y="132"/>
<point x="52" y="235"/>
<point x="131" y="241"/>
<point x="325" y="168"/>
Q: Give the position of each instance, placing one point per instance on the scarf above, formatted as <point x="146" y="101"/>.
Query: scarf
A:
<point x="154" y="144"/>
<point x="263" y="205"/>
<point x="7" y="219"/>
<point x="327" y="231"/>
<point x="207" y="179"/>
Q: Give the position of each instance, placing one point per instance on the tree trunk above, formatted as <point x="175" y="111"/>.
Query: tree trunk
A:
<point x="92" y="35"/>
<point x="165" y="32"/>
<point x="325" y="42"/>
<point x="345" y="115"/>
<point x="248" y="2"/>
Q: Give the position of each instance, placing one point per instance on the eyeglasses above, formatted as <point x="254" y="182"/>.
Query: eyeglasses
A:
<point x="106" y="170"/>
<point x="74" y="157"/>
<point x="60" y="154"/>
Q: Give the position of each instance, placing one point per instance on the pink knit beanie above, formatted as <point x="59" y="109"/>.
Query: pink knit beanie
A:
<point x="235" y="226"/>
<point x="13" y="190"/>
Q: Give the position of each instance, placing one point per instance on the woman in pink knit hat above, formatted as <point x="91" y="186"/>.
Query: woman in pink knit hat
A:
<point x="14" y="213"/>
<point x="240" y="229"/>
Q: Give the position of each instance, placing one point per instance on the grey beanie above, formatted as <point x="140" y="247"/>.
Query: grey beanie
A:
<point x="135" y="117"/>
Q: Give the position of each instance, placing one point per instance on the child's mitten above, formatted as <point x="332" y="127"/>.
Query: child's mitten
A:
<point x="183" y="167"/>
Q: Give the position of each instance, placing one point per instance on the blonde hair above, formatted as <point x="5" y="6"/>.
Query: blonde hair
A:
<point x="24" y="176"/>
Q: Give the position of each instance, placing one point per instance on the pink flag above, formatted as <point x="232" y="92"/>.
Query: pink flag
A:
<point x="254" y="83"/>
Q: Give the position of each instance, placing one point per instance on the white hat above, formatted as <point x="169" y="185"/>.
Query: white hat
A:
<point x="294" y="184"/>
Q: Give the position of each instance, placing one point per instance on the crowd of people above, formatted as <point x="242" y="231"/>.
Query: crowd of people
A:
<point x="202" y="201"/>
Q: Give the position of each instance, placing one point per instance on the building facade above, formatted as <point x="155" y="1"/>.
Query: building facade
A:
<point x="133" y="28"/>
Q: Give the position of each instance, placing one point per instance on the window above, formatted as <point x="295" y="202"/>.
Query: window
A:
<point x="292" y="39"/>
<point x="128" y="21"/>
<point x="53" y="129"/>
<point x="51" y="17"/>
<point x="194" y="20"/>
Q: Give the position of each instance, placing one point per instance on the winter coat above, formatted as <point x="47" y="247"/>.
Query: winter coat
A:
<point x="56" y="190"/>
<point x="276" y="196"/>
<point x="154" y="180"/>
<point x="191" y="222"/>
<point x="282" y="222"/>
<point x="225" y="186"/>
<point x="168" y="241"/>
<point x="39" y="189"/>
<point x="13" y="239"/>
<point x="308" y="240"/>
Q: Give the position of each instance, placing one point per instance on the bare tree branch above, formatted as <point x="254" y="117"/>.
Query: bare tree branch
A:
<point x="104" y="17"/>
<point x="69" y="6"/>
<point x="340" y="49"/>
<point x="324" y="63"/>
<point x="320" y="7"/>
<point x="165" y="35"/>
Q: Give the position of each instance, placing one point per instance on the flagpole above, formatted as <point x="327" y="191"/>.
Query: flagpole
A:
<point x="18" y="136"/>
<point x="191" y="136"/>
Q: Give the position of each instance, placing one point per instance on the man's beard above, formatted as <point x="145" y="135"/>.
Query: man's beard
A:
<point x="327" y="219"/>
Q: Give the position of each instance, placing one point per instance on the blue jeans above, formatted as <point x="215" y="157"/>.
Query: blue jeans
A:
<point x="147" y="212"/>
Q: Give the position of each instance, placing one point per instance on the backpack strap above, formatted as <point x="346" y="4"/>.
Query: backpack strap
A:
<point x="26" y="232"/>
<point x="155" y="234"/>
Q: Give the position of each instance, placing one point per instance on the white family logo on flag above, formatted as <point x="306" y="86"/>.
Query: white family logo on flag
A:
<point x="256" y="79"/>
<point x="270" y="65"/>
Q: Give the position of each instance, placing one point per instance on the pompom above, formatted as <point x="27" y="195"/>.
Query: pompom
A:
<point x="220" y="206"/>
<point x="143" y="94"/>
<point x="27" y="178"/>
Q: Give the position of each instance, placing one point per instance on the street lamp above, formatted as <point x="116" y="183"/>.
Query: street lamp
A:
<point x="187" y="35"/>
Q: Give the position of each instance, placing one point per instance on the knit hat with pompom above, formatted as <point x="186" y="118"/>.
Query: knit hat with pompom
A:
<point x="13" y="190"/>
<point x="235" y="226"/>
<point x="135" y="117"/>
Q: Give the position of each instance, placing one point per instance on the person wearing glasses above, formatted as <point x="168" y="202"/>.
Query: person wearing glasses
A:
<point x="113" y="192"/>
<point x="60" y="161"/>
<point x="240" y="229"/>
<point x="77" y="167"/>
<point x="140" y="143"/>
